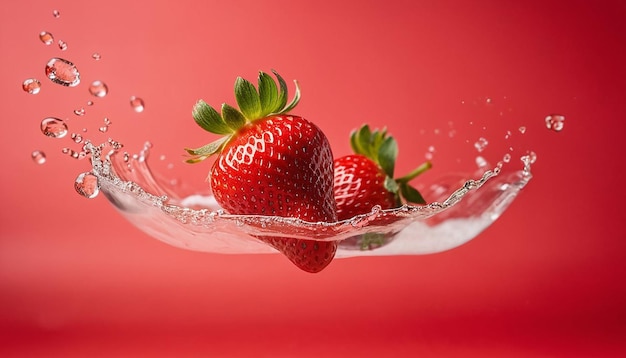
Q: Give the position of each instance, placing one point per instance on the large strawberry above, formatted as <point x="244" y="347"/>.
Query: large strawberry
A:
<point x="271" y="163"/>
<point x="366" y="179"/>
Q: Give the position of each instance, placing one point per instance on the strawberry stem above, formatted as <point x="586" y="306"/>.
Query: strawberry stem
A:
<point x="413" y="174"/>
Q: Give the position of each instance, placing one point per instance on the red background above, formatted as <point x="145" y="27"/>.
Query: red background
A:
<point x="546" y="279"/>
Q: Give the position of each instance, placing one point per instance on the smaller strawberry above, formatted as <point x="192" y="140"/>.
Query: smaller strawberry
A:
<point x="366" y="179"/>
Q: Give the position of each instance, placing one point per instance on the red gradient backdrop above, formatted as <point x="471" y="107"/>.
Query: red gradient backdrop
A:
<point x="547" y="278"/>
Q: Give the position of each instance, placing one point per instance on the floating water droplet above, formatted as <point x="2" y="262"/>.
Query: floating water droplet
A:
<point x="31" y="85"/>
<point x="62" y="72"/>
<point x="481" y="162"/>
<point x="488" y="100"/>
<point x="62" y="45"/>
<point x="46" y="37"/>
<point x="56" y="14"/>
<point x="508" y="135"/>
<point x="98" y="89"/>
<point x="103" y="129"/>
<point x="53" y="127"/>
<point x="90" y="103"/>
<point x="137" y="104"/>
<point x="38" y="156"/>
<point x="96" y="56"/>
<point x="506" y="158"/>
<point x="555" y="122"/>
<point x="162" y="157"/>
<point x="77" y="137"/>
<point x="106" y="121"/>
<point x="86" y="184"/>
<point x="79" y="111"/>
<point x="522" y="129"/>
<point x="481" y="144"/>
<point x="451" y="133"/>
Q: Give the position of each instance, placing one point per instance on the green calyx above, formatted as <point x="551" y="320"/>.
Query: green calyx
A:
<point x="268" y="99"/>
<point x="383" y="150"/>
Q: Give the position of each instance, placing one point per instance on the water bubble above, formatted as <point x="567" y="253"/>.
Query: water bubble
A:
<point x="86" y="184"/>
<point x="90" y="103"/>
<point x="506" y="158"/>
<point x="98" y="89"/>
<point x="522" y="129"/>
<point x="481" y="144"/>
<point x="488" y="100"/>
<point x="79" y="111"/>
<point x="96" y="56"/>
<point x="38" y="156"/>
<point x="555" y="122"/>
<point x="56" y="14"/>
<point x="104" y="129"/>
<point x="31" y="85"/>
<point x="46" y="37"/>
<point x="62" y="45"/>
<point x="53" y="127"/>
<point x="137" y="104"/>
<point x="62" y="72"/>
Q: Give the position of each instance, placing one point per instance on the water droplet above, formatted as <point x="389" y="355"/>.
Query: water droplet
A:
<point x="137" y="104"/>
<point x="508" y="135"/>
<point x="31" y="85"/>
<point x="53" y="127"/>
<point x="79" y="111"/>
<point x="87" y="185"/>
<point x="56" y="14"/>
<point x="162" y="157"/>
<point x="98" y="89"/>
<point x="555" y="122"/>
<point x="522" y="129"/>
<point x="46" y="37"/>
<point x="481" y="144"/>
<point x="90" y="103"/>
<point x="62" y="72"/>
<point x="488" y="100"/>
<point x="506" y="158"/>
<point x="103" y="129"/>
<point x="107" y="121"/>
<point x="481" y="162"/>
<point x="38" y="156"/>
<point x="62" y="45"/>
<point x="77" y="137"/>
<point x="96" y="56"/>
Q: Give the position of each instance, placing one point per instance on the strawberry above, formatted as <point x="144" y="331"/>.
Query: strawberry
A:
<point x="271" y="163"/>
<point x="365" y="179"/>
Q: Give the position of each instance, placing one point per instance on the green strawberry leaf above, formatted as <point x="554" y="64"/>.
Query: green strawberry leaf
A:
<point x="411" y="194"/>
<point x="247" y="98"/>
<point x="282" y="95"/>
<point x="208" y="118"/>
<point x="233" y="118"/>
<point x="387" y="154"/>
<point x="209" y="149"/>
<point x="268" y="94"/>
<point x="294" y="100"/>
